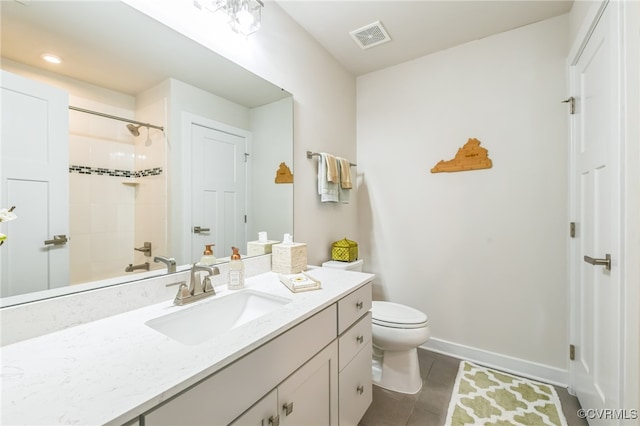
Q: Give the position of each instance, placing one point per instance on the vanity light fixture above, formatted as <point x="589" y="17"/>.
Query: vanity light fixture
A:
<point x="51" y="58"/>
<point x="244" y="15"/>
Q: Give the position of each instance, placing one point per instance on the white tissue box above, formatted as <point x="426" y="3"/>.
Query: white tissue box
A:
<point x="289" y="258"/>
<point x="256" y="248"/>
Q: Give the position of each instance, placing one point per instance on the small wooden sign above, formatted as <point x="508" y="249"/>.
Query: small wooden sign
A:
<point x="470" y="157"/>
<point x="283" y="174"/>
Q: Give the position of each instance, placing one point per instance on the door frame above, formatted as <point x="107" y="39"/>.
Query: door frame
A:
<point x="631" y="204"/>
<point x="189" y="119"/>
<point x="628" y="379"/>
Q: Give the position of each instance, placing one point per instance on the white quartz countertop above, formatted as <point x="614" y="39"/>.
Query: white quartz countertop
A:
<point x="112" y="370"/>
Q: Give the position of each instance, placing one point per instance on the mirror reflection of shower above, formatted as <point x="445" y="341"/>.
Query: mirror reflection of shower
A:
<point x="118" y="190"/>
<point x="135" y="131"/>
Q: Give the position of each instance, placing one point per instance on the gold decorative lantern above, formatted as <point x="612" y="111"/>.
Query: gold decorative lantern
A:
<point x="344" y="250"/>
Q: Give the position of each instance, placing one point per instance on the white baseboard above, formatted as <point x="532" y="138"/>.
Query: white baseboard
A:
<point x="520" y="367"/>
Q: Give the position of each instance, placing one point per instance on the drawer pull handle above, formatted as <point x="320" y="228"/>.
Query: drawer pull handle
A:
<point x="360" y="390"/>
<point x="360" y="339"/>
<point x="274" y="420"/>
<point x="359" y="305"/>
<point x="287" y="408"/>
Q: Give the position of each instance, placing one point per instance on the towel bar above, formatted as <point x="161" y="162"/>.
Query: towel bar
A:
<point x="311" y="154"/>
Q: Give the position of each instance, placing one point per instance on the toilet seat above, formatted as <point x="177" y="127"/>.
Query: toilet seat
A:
<point x="395" y="315"/>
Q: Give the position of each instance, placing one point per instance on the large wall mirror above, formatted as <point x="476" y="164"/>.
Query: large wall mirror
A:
<point x="152" y="144"/>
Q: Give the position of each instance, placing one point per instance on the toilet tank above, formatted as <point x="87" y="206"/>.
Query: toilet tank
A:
<point x="356" y="265"/>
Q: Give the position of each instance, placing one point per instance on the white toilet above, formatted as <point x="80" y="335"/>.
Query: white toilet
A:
<point x="397" y="331"/>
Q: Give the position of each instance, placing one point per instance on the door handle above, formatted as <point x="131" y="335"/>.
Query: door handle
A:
<point x="606" y="262"/>
<point x="57" y="240"/>
<point x="199" y="230"/>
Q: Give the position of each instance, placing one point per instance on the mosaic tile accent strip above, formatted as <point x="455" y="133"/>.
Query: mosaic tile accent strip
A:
<point x="85" y="170"/>
<point x="485" y="396"/>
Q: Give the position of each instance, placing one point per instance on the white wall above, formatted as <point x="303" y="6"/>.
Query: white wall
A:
<point x="271" y="205"/>
<point x="483" y="252"/>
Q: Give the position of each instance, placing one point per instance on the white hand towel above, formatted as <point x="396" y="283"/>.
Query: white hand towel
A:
<point x="328" y="191"/>
<point x="344" y="195"/>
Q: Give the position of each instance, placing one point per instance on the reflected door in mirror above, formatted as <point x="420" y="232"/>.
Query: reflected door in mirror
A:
<point x="35" y="173"/>
<point x="218" y="190"/>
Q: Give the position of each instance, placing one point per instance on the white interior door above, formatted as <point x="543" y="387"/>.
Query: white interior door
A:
<point x="596" y="305"/>
<point x="35" y="179"/>
<point x="218" y="182"/>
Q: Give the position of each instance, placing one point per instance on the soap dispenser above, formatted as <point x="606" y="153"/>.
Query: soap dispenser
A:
<point x="207" y="257"/>
<point x="236" y="271"/>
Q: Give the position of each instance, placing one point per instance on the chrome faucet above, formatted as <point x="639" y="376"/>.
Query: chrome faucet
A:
<point x="133" y="267"/>
<point x="197" y="289"/>
<point x="169" y="261"/>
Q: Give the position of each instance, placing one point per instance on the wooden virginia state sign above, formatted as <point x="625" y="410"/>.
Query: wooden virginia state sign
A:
<point x="470" y="157"/>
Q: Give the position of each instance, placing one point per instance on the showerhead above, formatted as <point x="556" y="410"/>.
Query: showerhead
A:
<point x="135" y="130"/>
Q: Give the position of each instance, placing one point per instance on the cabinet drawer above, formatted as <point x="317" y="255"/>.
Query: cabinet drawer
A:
<point x="356" y="388"/>
<point x="354" y="339"/>
<point x="353" y="306"/>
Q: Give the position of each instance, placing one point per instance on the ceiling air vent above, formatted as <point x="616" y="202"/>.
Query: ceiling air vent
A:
<point x="370" y="35"/>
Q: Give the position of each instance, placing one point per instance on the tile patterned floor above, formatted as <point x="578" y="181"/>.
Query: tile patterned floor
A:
<point x="429" y="406"/>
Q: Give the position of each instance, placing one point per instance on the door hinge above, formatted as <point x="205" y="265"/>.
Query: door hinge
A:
<point x="245" y="218"/>
<point x="246" y="157"/>
<point x="572" y="229"/>
<point x="572" y="104"/>
<point x="572" y="352"/>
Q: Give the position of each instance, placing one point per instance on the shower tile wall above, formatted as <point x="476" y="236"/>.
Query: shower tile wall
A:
<point x="111" y="213"/>
<point x="151" y="194"/>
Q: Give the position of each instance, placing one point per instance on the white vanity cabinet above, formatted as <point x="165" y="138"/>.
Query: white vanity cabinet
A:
<point x="225" y="395"/>
<point x="317" y="373"/>
<point x="307" y="397"/>
<point x="354" y="354"/>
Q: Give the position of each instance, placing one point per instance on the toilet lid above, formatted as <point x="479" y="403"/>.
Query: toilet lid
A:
<point x="389" y="314"/>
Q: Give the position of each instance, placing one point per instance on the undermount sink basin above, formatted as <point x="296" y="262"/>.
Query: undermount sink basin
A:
<point x="198" y="323"/>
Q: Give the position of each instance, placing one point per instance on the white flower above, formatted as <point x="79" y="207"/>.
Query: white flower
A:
<point x="7" y="215"/>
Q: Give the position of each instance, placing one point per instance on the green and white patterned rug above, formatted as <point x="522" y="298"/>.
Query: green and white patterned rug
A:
<point x="482" y="396"/>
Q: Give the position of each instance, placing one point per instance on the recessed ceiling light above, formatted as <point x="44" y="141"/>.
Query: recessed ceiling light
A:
<point x="51" y="58"/>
